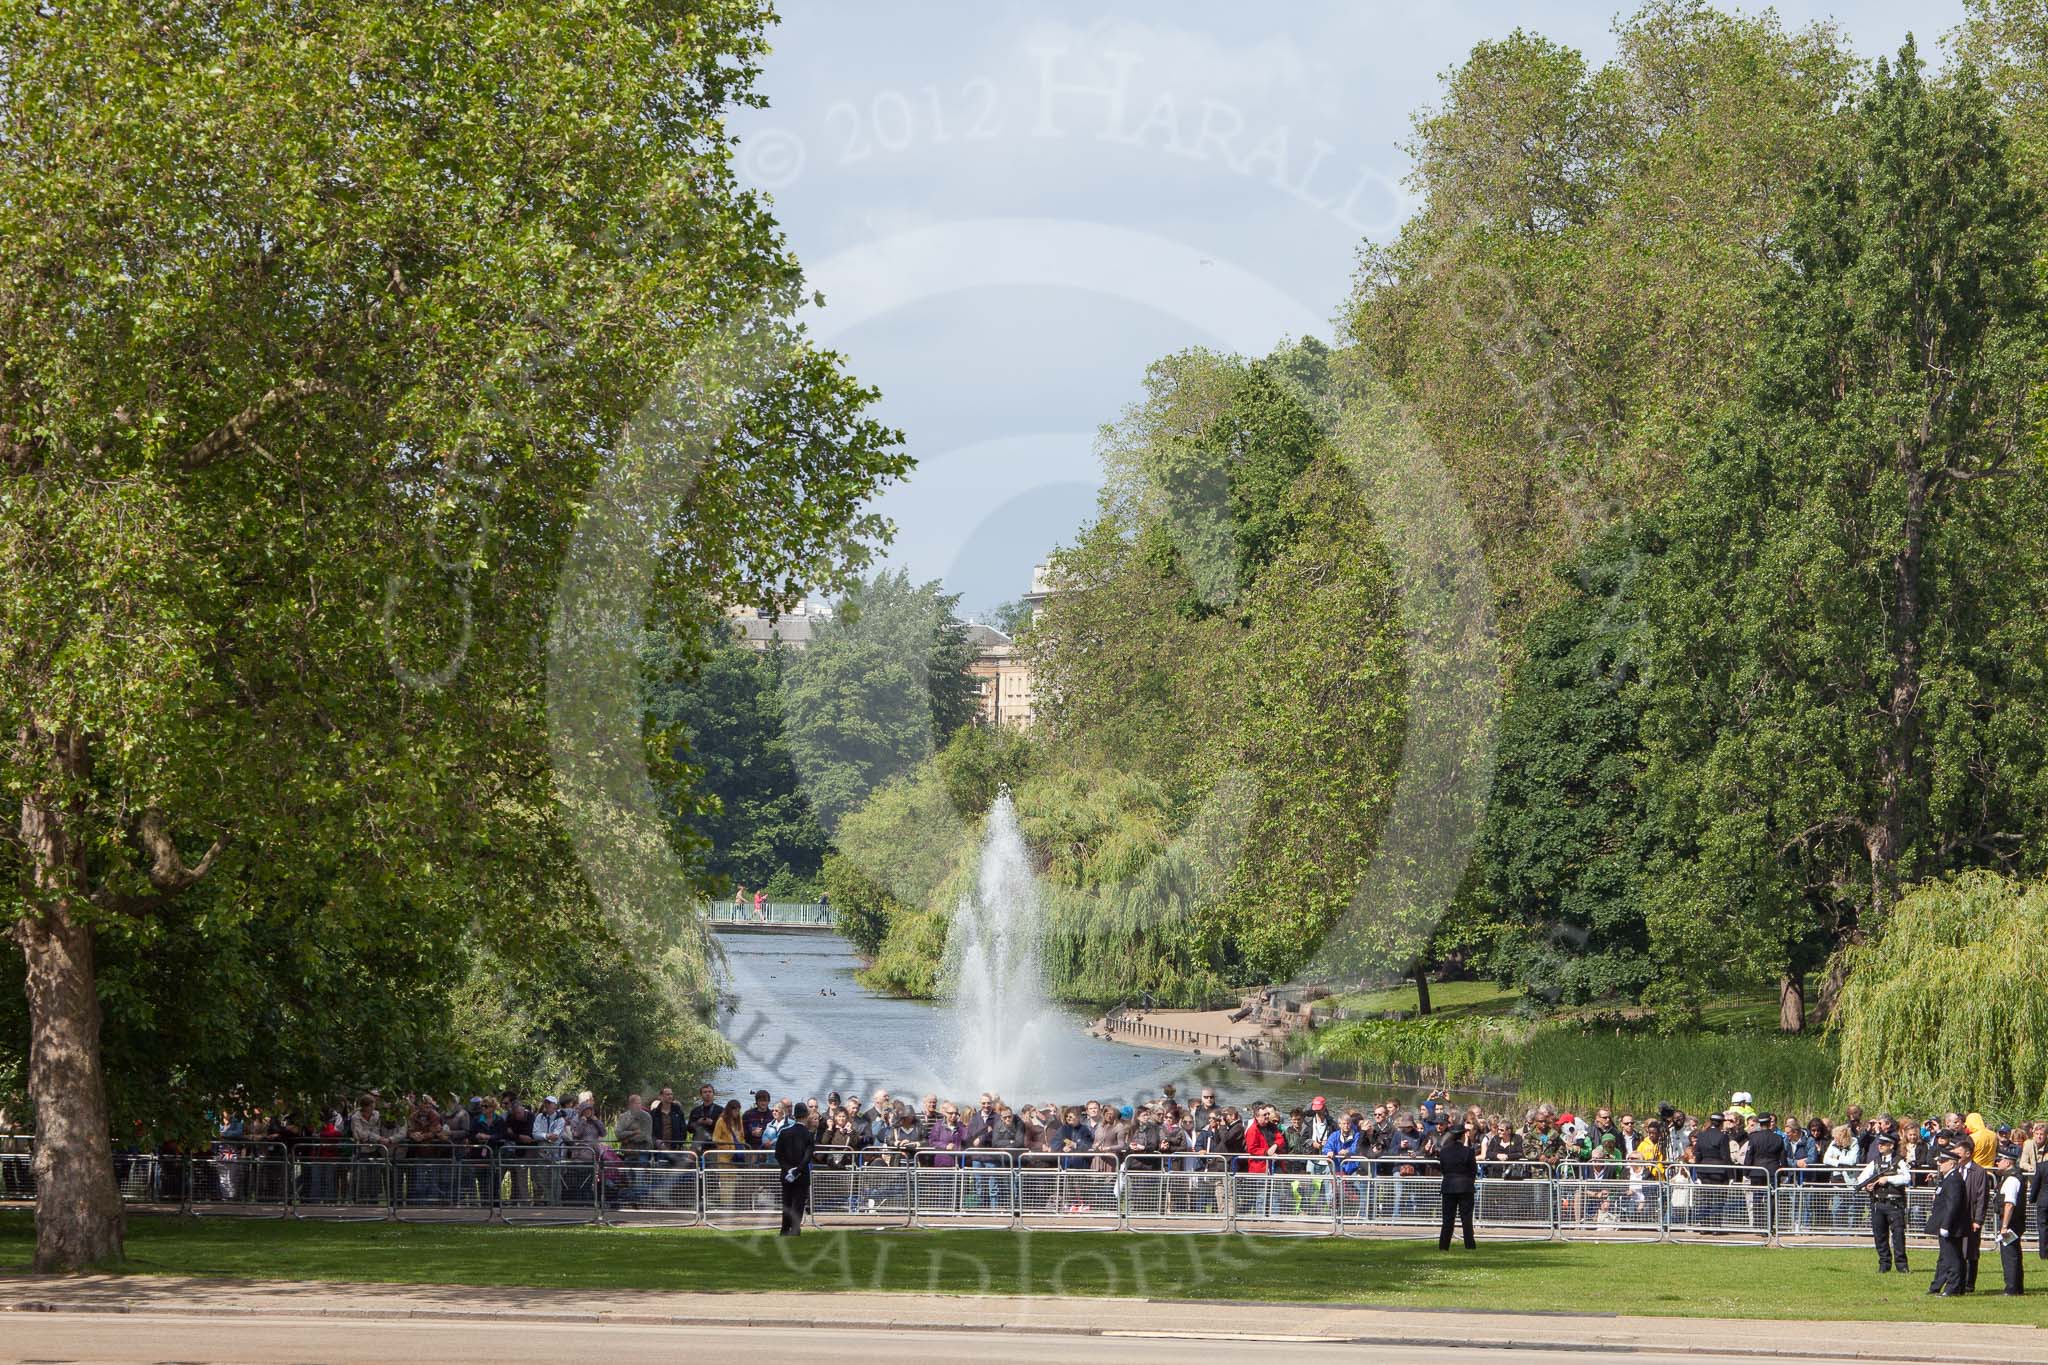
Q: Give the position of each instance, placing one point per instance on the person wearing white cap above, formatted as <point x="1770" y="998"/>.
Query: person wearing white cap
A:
<point x="550" y="1136"/>
<point x="1743" y="1103"/>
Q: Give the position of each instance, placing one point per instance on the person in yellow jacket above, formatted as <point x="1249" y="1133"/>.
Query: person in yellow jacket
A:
<point x="1650" y="1151"/>
<point x="1983" y="1141"/>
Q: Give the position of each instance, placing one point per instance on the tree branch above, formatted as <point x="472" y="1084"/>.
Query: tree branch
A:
<point x="168" y="872"/>
<point x="232" y="432"/>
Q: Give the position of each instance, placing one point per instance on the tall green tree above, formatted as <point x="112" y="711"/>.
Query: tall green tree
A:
<point x="1582" y="281"/>
<point x="2007" y="42"/>
<point x="882" y="686"/>
<point x="752" y="813"/>
<point x="1560" y="859"/>
<point x="315" y="326"/>
<point x="1132" y="655"/>
<point x="1847" y="689"/>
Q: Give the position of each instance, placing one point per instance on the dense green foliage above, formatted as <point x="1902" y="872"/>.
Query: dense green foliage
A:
<point x="1845" y="648"/>
<point x="882" y="686"/>
<point x="752" y="812"/>
<point x="1942" y="1009"/>
<point x="1222" y="677"/>
<point x="1561" y="856"/>
<point x="1574" y="1063"/>
<point x="1582" y="282"/>
<point x="317" y="326"/>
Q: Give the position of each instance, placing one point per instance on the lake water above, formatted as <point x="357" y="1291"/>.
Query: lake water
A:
<point x="802" y="1027"/>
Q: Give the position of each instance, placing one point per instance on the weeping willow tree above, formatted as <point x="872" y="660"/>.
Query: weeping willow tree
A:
<point x="1943" y="1009"/>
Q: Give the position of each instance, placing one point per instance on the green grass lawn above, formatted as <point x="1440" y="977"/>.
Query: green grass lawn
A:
<point x="1445" y="997"/>
<point x="1676" y="1280"/>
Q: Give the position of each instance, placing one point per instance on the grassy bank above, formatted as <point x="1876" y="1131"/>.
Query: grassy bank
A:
<point x="1677" y="1280"/>
<point x="1578" y="1063"/>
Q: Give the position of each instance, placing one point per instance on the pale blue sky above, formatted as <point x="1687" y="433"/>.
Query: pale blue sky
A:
<point x="1012" y="208"/>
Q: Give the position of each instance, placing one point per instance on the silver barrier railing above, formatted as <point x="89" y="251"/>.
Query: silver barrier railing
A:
<point x="961" y="1188"/>
<point x="1811" y="1206"/>
<point x="1177" y="1192"/>
<point x="443" y="1182"/>
<point x="1293" y="1193"/>
<point x="17" y="1169"/>
<point x="1594" y="1200"/>
<point x="544" y="1183"/>
<point x="1717" y="1201"/>
<point x="1919" y="1203"/>
<point x="252" y="1179"/>
<point x="740" y="1187"/>
<point x="864" y="1187"/>
<point x="1067" y="1189"/>
<point x="1402" y="1195"/>
<point x="652" y="1185"/>
<point x="342" y="1180"/>
<point x="1510" y="1198"/>
<point x="1185" y="1191"/>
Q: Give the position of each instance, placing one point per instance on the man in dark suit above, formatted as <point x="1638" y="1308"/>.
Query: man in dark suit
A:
<point x="1948" y="1222"/>
<point x="1460" y="1167"/>
<point x="1977" y="1189"/>
<point x="793" y="1148"/>
<point x="1766" y="1150"/>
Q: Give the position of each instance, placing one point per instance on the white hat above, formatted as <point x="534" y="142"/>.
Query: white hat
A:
<point x="549" y="1099"/>
<point x="1739" y="1097"/>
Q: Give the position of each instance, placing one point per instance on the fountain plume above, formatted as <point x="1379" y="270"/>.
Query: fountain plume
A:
<point x="1009" y="1037"/>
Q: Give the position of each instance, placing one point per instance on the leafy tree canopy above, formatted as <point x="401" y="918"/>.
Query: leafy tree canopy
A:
<point x="315" y="327"/>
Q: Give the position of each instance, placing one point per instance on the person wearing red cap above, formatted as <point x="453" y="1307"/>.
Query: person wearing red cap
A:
<point x="1315" y="1125"/>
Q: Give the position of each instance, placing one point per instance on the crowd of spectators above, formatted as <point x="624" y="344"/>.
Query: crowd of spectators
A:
<point x="1738" y="1143"/>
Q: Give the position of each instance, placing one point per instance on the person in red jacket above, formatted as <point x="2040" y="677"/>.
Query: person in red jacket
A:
<point x="1264" y="1138"/>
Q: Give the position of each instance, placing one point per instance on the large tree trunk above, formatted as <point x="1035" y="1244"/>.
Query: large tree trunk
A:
<point x="78" y="1208"/>
<point x="1421" y="990"/>
<point x="1792" y="1002"/>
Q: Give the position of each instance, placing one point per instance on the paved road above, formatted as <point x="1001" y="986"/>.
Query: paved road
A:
<point x="142" y="1339"/>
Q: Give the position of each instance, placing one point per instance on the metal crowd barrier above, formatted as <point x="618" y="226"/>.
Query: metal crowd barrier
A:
<point x="869" y="1187"/>
<point x="1717" y="1201"/>
<point x="252" y="1179"/>
<point x="1402" y="1194"/>
<point x="17" y="1169"/>
<point x="656" y="1185"/>
<point x="1180" y="1192"/>
<point x="1511" y="1198"/>
<point x="975" y="1188"/>
<point x="876" y="1187"/>
<point x="1597" y="1200"/>
<point x="1282" y="1194"/>
<point x="1065" y="1188"/>
<point x="740" y="1188"/>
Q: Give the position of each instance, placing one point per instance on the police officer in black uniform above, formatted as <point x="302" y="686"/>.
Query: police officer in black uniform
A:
<point x="1885" y="1180"/>
<point x="793" y="1148"/>
<point x="2009" y="1213"/>
<point x="1460" y="1168"/>
<point x="1948" y="1222"/>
